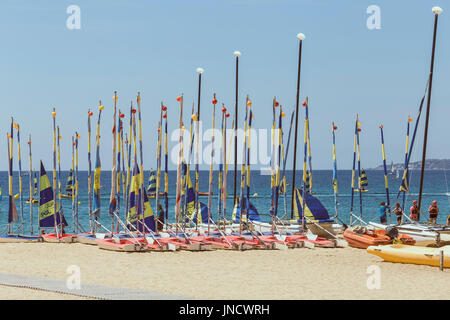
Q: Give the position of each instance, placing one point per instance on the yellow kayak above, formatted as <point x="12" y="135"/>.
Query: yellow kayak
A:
<point x="411" y="254"/>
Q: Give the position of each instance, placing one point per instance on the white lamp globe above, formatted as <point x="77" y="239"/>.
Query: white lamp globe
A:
<point x="200" y="70"/>
<point x="301" y="36"/>
<point x="437" y="10"/>
<point x="237" y="53"/>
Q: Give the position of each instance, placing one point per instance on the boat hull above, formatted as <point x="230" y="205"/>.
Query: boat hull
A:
<point x="53" y="238"/>
<point x="19" y="239"/>
<point x="400" y="253"/>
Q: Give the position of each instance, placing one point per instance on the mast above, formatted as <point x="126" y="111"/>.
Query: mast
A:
<point x="278" y="163"/>
<point x="20" y="178"/>
<point x="61" y="212"/>
<point x="335" y="179"/>
<point x="243" y="169"/>
<point x="54" y="173"/>
<point x="166" y="173"/>
<point x="31" y="185"/>
<point x="305" y="173"/>
<point x="301" y="37"/>
<point x="237" y="54"/>
<point x="214" y="102"/>
<point x="249" y="133"/>
<point x="180" y="140"/>
<point x="353" y="171"/>
<point x="386" y="184"/>
<point x="197" y="202"/>
<point x="112" y="198"/>
<point x="436" y="11"/>
<point x="358" y="130"/>
<point x="91" y="229"/>
<point x="142" y="187"/>
<point x="73" y="184"/>
<point x="77" y="137"/>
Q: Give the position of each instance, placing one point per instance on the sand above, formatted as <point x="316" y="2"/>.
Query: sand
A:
<point x="319" y="273"/>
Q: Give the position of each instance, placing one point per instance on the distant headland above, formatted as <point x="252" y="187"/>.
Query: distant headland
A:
<point x="430" y="164"/>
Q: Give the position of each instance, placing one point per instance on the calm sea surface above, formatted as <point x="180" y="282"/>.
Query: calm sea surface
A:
<point x="435" y="188"/>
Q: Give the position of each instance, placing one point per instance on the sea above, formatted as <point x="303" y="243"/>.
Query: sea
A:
<point x="435" y="188"/>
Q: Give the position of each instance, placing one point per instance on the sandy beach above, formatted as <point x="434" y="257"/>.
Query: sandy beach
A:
<point x="257" y="274"/>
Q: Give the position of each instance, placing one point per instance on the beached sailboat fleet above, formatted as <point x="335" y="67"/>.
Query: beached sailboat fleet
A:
<point x="136" y="227"/>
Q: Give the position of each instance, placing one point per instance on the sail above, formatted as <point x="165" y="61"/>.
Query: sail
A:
<point x="69" y="184"/>
<point x="46" y="202"/>
<point x="363" y="179"/>
<point x="314" y="209"/>
<point x="132" y="216"/>
<point x="149" y="219"/>
<point x="151" y="182"/>
<point x="253" y="214"/>
<point x="35" y="184"/>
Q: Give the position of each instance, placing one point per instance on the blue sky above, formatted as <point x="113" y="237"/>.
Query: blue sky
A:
<point x="155" y="47"/>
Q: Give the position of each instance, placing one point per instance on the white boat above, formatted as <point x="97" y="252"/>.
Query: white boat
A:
<point x="423" y="234"/>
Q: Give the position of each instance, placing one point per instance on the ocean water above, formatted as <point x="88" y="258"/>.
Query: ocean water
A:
<point x="435" y="188"/>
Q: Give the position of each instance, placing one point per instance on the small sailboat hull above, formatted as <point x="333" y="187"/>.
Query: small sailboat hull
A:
<point x="122" y="245"/>
<point x="53" y="238"/>
<point x="401" y="253"/>
<point x="19" y="239"/>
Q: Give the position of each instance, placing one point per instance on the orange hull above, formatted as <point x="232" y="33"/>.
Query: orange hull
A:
<point x="364" y="240"/>
<point x="52" y="237"/>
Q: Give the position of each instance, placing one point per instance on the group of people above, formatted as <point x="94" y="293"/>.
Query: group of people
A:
<point x="433" y="210"/>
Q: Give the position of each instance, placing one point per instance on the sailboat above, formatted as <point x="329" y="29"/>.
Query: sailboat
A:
<point x="69" y="186"/>
<point x="363" y="182"/>
<point x="48" y="218"/>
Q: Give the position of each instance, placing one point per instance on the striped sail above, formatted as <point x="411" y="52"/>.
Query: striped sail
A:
<point x="363" y="179"/>
<point x="69" y="184"/>
<point x="46" y="203"/>
<point x="132" y="216"/>
<point x="151" y="188"/>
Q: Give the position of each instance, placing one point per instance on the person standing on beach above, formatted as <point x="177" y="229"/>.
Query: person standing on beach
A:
<point x="398" y="212"/>
<point x="383" y="208"/>
<point x="160" y="221"/>
<point x="433" y="210"/>
<point x="413" y="211"/>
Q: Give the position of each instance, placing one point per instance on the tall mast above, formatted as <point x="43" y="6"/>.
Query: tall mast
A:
<point x="237" y="54"/>
<point x="54" y="174"/>
<point x="301" y="37"/>
<point x="90" y="172"/>
<point x="31" y="185"/>
<point x="436" y="11"/>
<point x="112" y="198"/>
<point x="386" y="183"/>
<point x="197" y="181"/>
